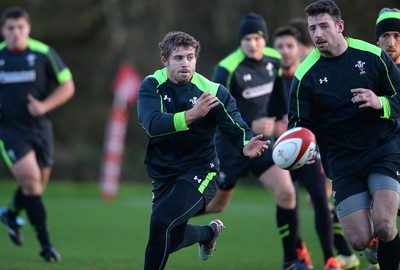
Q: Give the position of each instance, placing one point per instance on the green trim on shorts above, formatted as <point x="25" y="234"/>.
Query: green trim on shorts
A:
<point x="5" y="156"/>
<point x="204" y="184"/>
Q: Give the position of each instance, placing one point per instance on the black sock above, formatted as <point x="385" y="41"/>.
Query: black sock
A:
<point x="339" y="241"/>
<point x="389" y="254"/>
<point x="287" y="226"/>
<point x="37" y="217"/>
<point x="17" y="204"/>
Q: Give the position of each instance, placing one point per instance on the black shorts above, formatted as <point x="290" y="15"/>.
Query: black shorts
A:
<point x="15" y="144"/>
<point x="204" y="181"/>
<point x="235" y="166"/>
<point x="359" y="183"/>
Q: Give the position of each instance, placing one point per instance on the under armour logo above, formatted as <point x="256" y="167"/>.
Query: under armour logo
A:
<point x="324" y="80"/>
<point x="167" y="98"/>
<point x="397" y="173"/>
<point x="247" y="77"/>
<point x="212" y="165"/>
<point x="197" y="179"/>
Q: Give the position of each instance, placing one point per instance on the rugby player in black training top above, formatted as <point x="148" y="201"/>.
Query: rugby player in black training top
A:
<point x="180" y="111"/>
<point x="347" y="92"/>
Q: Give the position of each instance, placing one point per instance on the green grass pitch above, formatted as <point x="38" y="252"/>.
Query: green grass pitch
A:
<point x="91" y="233"/>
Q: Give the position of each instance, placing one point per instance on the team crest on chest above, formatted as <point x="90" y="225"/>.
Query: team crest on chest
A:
<point x="361" y="66"/>
<point x="193" y="100"/>
<point x="270" y="68"/>
<point x="31" y="58"/>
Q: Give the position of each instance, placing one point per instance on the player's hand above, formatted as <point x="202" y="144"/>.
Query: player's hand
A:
<point x="366" y="97"/>
<point x="255" y="147"/>
<point x="311" y="160"/>
<point x="203" y="105"/>
<point x="35" y="106"/>
<point x="264" y="125"/>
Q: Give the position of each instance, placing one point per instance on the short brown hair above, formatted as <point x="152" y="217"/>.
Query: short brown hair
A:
<point x="173" y="40"/>
<point x="14" y="13"/>
<point x="287" y="31"/>
<point x="323" y="6"/>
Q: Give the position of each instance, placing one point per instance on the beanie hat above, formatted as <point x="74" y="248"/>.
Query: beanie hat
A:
<point x="252" y="23"/>
<point x="388" y="20"/>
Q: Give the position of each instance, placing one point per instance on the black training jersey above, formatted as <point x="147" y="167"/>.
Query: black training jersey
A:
<point x="174" y="147"/>
<point x="253" y="83"/>
<point x="349" y="138"/>
<point x="31" y="71"/>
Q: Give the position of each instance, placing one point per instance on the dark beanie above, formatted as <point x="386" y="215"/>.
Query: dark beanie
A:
<point x="252" y="23"/>
<point x="388" y="20"/>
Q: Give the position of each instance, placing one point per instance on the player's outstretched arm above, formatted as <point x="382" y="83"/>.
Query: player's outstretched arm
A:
<point x="255" y="147"/>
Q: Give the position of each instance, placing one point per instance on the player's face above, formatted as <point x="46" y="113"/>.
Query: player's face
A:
<point x="390" y="43"/>
<point x="326" y="32"/>
<point x="16" y="33"/>
<point x="289" y="48"/>
<point x="253" y="45"/>
<point x="180" y="65"/>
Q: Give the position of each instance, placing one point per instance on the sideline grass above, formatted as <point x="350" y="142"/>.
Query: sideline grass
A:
<point x="93" y="234"/>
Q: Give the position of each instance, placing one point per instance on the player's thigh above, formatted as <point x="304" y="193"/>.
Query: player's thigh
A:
<point x="385" y="197"/>
<point x="27" y="173"/>
<point x="357" y="228"/>
<point x="279" y="183"/>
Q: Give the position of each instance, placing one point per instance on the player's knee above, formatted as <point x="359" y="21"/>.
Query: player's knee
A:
<point x="32" y="188"/>
<point x="385" y="229"/>
<point x="358" y="242"/>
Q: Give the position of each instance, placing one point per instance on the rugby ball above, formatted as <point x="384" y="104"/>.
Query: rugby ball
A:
<point x="293" y="148"/>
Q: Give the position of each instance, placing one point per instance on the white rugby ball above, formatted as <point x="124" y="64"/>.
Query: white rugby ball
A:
<point x="293" y="148"/>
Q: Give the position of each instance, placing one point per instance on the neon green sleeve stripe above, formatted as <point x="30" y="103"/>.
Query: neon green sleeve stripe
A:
<point x="206" y="181"/>
<point x="311" y="59"/>
<point x="204" y="84"/>
<point x="38" y="46"/>
<point x="270" y="52"/>
<point x="363" y="46"/>
<point x="231" y="62"/>
<point x="385" y="107"/>
<point x="160" y="75"/>
<point x="64" y="75"/>
<point x="180" y="121"/>
<point x="5" y="156"/>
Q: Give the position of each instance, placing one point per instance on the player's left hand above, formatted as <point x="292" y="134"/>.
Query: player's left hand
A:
<point x="366" y="97"/>
<point x="35" y="106"/>
<point x="255" y="147"/>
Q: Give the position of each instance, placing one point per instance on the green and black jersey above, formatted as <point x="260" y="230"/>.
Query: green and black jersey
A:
<point x="349" y="138"/>
<point x="174" y="147"/>
<point x="34" y="71"/>
<point x="253" y="83"/>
